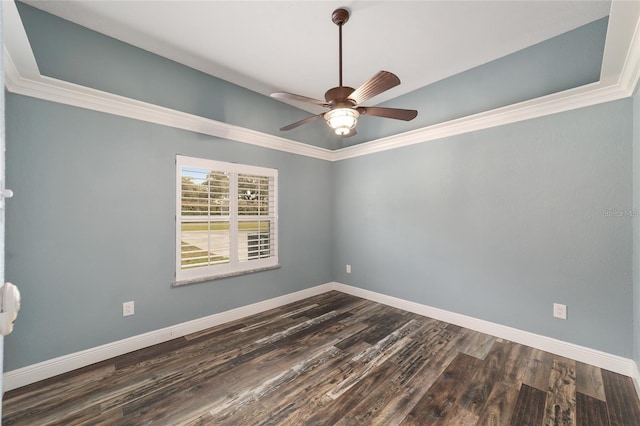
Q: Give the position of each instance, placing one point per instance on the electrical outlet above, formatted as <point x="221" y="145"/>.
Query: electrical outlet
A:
<point x="560" y="311"/>
<point x="127" y="309"/>
<point x="348" y="269"/>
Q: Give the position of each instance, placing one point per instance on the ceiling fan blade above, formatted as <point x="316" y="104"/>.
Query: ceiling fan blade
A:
<point x="299" y="98"/>
<point x="301" y="122"/>
<point x="396" y="113"/>
<point x="381" y="82"/>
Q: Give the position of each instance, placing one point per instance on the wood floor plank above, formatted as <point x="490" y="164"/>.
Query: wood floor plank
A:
<point x="435" y="405"/>
<point x="120" y="385"/>
<point x="516" y="366"/>
<point x="361" y="364"/>
<point x="428" y="358"/>
<point x="214" y="349"/>
<point x="410" y="359"/>
<point x="591" y="411"/>
<point x="73" y="385"/>
<point x="481" y="384"/>
<point x="290" y="394"/>
<point x="252" y="371"/>
<point x="330" y="359"/>
<point x="499" y="407"/>
<point x="622" y="407"/>
<point x="298" y="407"/>
<point x="378" y="406"/>
<point x="375" y="407"/>
<point x="479" y="345"/>
<point x="589" y="381"/>
<point x="478" y="388"/>
<point x="498" y="355"/>
<point x="538" y="370"/>
<point x="414" y="382"/>
<point x="253" y="393"/>
<point x="529" y="408"/>
<point x="396" y="405"/>
<point x="191" y="393"/>
<point x="212" y="332"/>
<point x="337" y="302"/>
<point x="229" y="364"/>
<point x="340" y="407"/>
<point x="300" y="399"/>
<point x="381" y="323"/>
<point x="459" y="416"/>
<point x="294" y="330"/>
<point x="204" y="419"/>
<point x="560" y="406"/>
<point x="428" y="328"/>
<point x="385" y="325"/>
<point x="189" y="390"/>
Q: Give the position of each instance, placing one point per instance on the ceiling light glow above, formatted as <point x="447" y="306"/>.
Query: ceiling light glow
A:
<point x="342" y="120"/>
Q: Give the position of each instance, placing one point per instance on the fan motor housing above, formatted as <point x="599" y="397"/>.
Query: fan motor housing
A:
<point x="343" y="101"/>
<point x="339" y="95"/>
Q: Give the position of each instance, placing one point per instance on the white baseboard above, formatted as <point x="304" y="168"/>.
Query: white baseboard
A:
<point x="46" y="369"/>
<point x="594" y="357"/>
<point x="636" y="377"/>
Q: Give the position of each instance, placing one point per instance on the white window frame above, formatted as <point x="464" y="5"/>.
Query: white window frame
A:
<point x="234" y="266"/>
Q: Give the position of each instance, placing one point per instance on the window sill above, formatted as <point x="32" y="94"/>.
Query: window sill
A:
<point x="220" y="277"/>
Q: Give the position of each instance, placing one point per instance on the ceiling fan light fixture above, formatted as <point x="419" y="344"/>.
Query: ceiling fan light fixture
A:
<point x="344" y="102"/>
<point x="342" y="120"/>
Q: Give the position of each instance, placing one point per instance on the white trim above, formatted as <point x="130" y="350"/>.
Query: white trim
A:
<point x="23" y="78"/>
<point x="580" y="97"/>
<point x="235" y="265"/>
<point x="15" y="37"/>
<point x="621" y="72"/>
<point x="621" y="30"/>
<point x="636" y="378"/>
<point x="46" y="369"/>
<point x="590" y="356"/>
<point x="63" y="92"/>
<point x="630" y="72"/>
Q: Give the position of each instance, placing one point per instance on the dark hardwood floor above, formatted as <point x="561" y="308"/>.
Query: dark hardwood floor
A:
<point x="331" y="359"/>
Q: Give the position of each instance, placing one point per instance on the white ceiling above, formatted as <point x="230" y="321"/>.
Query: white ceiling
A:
<point x="292" y="46"/>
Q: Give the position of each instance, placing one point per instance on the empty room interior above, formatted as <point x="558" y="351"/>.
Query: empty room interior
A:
<point x="321" y="212"/>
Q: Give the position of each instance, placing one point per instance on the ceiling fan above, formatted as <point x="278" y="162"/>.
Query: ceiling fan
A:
<point x="344" y="101"/>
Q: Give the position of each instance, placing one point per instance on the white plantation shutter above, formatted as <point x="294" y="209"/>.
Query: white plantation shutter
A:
<point x="256" y="210"/>
<point x="226" y="222"/>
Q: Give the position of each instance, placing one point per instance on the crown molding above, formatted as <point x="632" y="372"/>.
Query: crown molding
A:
<point x="581" y="97"/>
<point x="630" y="72"/>
<point x="63" y="92"/>
<point x="620" y="75"/>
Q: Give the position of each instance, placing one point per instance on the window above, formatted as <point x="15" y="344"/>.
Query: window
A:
<point x="226" y="221"/>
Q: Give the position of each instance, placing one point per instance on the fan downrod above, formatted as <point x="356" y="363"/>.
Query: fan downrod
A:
<point x="346" y="98"/>
<point x="340" y="16"/>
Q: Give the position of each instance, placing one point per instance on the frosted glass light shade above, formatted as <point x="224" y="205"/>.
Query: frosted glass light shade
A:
<point x="342" y="120"/>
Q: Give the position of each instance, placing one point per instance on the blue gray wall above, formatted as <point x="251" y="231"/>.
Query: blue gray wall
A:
<point x="2" y="138"/>
<point x="569" y="60"/>
<point x="499" y="224"/>
<point x="92" y="226"/>
<point x="68" y="52"/>
<point x="496" y="224"/>
<point x="636" y="227"/>
<point x="73" y="53"/>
